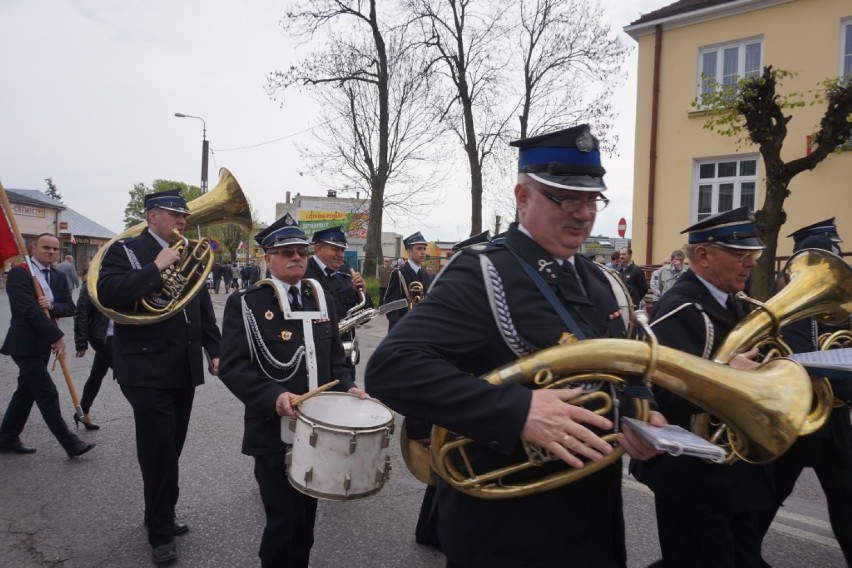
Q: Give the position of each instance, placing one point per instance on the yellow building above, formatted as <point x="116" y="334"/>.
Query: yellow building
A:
<point x="684" y="172"/>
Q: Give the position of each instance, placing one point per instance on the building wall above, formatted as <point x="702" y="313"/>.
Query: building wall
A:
<point x="802" y="36"/>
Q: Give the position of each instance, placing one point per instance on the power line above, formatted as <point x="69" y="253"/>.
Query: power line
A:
<point x="273" y="141"/>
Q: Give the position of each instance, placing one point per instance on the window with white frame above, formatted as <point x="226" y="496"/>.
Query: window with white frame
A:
<point x="846" y="48"/>
<point x="728" y="63"/>
<point x="724" y="184"/>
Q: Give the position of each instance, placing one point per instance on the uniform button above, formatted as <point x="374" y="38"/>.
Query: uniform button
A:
<point x="494" y="444"/>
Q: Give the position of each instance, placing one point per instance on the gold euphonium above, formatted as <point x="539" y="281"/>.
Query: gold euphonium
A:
<point x="225" y="203"/>
<point x="764" y="408"/>
<point x="820" y="287"/>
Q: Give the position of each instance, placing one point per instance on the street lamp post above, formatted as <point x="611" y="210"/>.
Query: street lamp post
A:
<point x="204" y="149"/>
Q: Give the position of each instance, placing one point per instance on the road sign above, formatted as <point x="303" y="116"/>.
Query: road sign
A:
<point x="622" y="227"/>
<point x="214" y="245"/>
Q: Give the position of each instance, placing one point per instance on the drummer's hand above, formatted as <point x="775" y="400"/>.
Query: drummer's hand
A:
<point x="283" y="407"/>
<point x="634" y="445"/>
<point x="359" y="392"/>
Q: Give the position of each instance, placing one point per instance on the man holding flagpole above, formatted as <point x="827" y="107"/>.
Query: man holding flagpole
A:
<point x="32" y="335"/>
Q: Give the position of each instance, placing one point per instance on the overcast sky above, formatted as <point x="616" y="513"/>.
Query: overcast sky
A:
<point x="90" y="89"/>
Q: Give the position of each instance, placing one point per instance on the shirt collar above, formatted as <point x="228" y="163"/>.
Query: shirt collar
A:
<point x="719" y="295"/>
<point x="559" y="261"/>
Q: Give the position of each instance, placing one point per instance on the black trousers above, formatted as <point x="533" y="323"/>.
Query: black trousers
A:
<point x="35" y="385"/>
<point x="100" y="367"/>
<point x="290" y="516"/>
<point x="695" y="538"/>
<point x="162" y="420"/>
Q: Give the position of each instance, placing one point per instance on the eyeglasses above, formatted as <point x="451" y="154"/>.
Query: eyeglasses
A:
<point x="741" y="255"/>
<point x="289" y="252"/>
<point x="572" y="204"/>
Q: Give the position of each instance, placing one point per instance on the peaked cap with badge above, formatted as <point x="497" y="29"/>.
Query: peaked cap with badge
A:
<point x="482" y="237"/>
<point x="170" y="200"/>
<point x="283" y="232"/>
<point x="565" y="159"/>
<point x="822" y="235"/>
<point x="333" y="236"/>
<point x="415" y="239"/>
<point x="732" y="229"/>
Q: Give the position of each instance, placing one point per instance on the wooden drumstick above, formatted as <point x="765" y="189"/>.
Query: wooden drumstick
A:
<point x="297" y="401"/>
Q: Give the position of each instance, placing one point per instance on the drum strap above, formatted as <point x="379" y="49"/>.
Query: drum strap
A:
<point x="307" y="318"/>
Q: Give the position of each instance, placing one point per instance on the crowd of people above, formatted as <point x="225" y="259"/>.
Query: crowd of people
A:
<point x="518" y="295"/>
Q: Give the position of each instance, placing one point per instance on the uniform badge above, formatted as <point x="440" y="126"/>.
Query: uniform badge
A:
<point x="269" y="315"/>
<point x="286" y="335"/>
<point x="585" y="142"/>
<point x="566" y="338"/>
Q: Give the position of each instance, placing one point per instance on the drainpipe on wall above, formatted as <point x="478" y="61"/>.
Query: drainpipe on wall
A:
<point x="652" y="154"/>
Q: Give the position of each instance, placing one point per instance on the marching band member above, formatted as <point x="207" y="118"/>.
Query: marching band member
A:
<point x="346" y="288"/>
<point x="829" y="450"/>
<point x="399" y="284"/>
<point x="491" y="304"/>
<point x="158" y="366"/>
<point x="707" y="514"/>
<point x="280" y="340"/>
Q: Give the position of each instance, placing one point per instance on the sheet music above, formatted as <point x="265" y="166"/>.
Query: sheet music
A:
<point x="831" y="358"/>
<point x="676" y="440"/>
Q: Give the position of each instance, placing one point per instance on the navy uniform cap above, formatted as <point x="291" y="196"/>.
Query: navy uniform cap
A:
<point x="482" y="237"/>
<point x="826" y="228"/>
<point x="285" y="231"/>
<point x="732" y="229"/>
<point x="566" y="159"/>
<point x="817" y="242"/>
<point x="170" y="200"/>
<point x="415" y="239"/>
<point x="333" y="236"/>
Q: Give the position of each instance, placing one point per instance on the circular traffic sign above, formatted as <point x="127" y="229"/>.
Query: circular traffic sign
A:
<point x="622" y="227"/>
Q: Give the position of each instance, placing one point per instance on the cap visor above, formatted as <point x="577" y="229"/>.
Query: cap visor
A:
<point x="573" y="182"/>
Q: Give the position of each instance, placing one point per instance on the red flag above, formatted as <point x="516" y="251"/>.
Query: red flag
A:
<point x="8" y="244"/>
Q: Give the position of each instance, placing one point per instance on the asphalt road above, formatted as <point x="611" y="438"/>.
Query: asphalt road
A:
<point x="87" y="512"/>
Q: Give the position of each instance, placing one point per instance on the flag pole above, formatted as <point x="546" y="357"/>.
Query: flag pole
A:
<point x="22" y="248"/>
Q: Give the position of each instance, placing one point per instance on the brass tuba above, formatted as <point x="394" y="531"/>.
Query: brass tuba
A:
<point x="225" y="203"/>
<point x="820" y="287"/>
<point x="765" y="426"/>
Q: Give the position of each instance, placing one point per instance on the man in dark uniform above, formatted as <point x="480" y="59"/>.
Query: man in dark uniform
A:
<point x="829" y="450"/>
<point x="632" y="275"/>
<point x="399" y="284"/>
<point x="327" y="267"/>
<point x="492" y="304"/>
<point x="707" y="514"/>
<point x="32" y="335"/>
<point x="295" y="347"/>
<point x="159" y="365"/>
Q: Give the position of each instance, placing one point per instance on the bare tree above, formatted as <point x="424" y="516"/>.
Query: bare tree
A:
<point x="467" y="38"/>
<point x="572" y="63"/>
<point x="753" y="110"/>
<point x="377" y="129"/>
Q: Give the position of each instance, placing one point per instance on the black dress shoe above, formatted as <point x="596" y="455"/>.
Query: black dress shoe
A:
<point x="79" y="448"/>
<point x="16" y="447"/>
<point x="164" y="553"/>
<point x="180" y="528"/>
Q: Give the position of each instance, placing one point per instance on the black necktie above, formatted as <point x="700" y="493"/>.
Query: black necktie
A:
<point x="569" y="269"/>
<point x="329" y="272"/>
<point x="295" y="304"/>
<point x="46" y="275"/>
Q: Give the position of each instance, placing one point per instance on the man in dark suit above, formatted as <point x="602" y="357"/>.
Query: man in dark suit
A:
<point x="159" y="365"/>
<point x="31" y="338"/>
<point x="493" y="303"/>
<point x="707" y="514"/>
<point x="327" y="267"/>
<point x="632" y="275"/>
<point x="828" y="450"/>
<point x="295" y="347"/>
<point x="399" y="284"/>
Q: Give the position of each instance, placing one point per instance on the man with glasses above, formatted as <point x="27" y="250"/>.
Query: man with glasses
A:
<point x="280" y="340"/>
<point x="493" y="303"/>
<point x="158" y="366"/>
<point x="707" y="514"/>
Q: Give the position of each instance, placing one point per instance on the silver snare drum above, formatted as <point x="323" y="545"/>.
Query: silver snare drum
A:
<point x="340" y="447"/>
